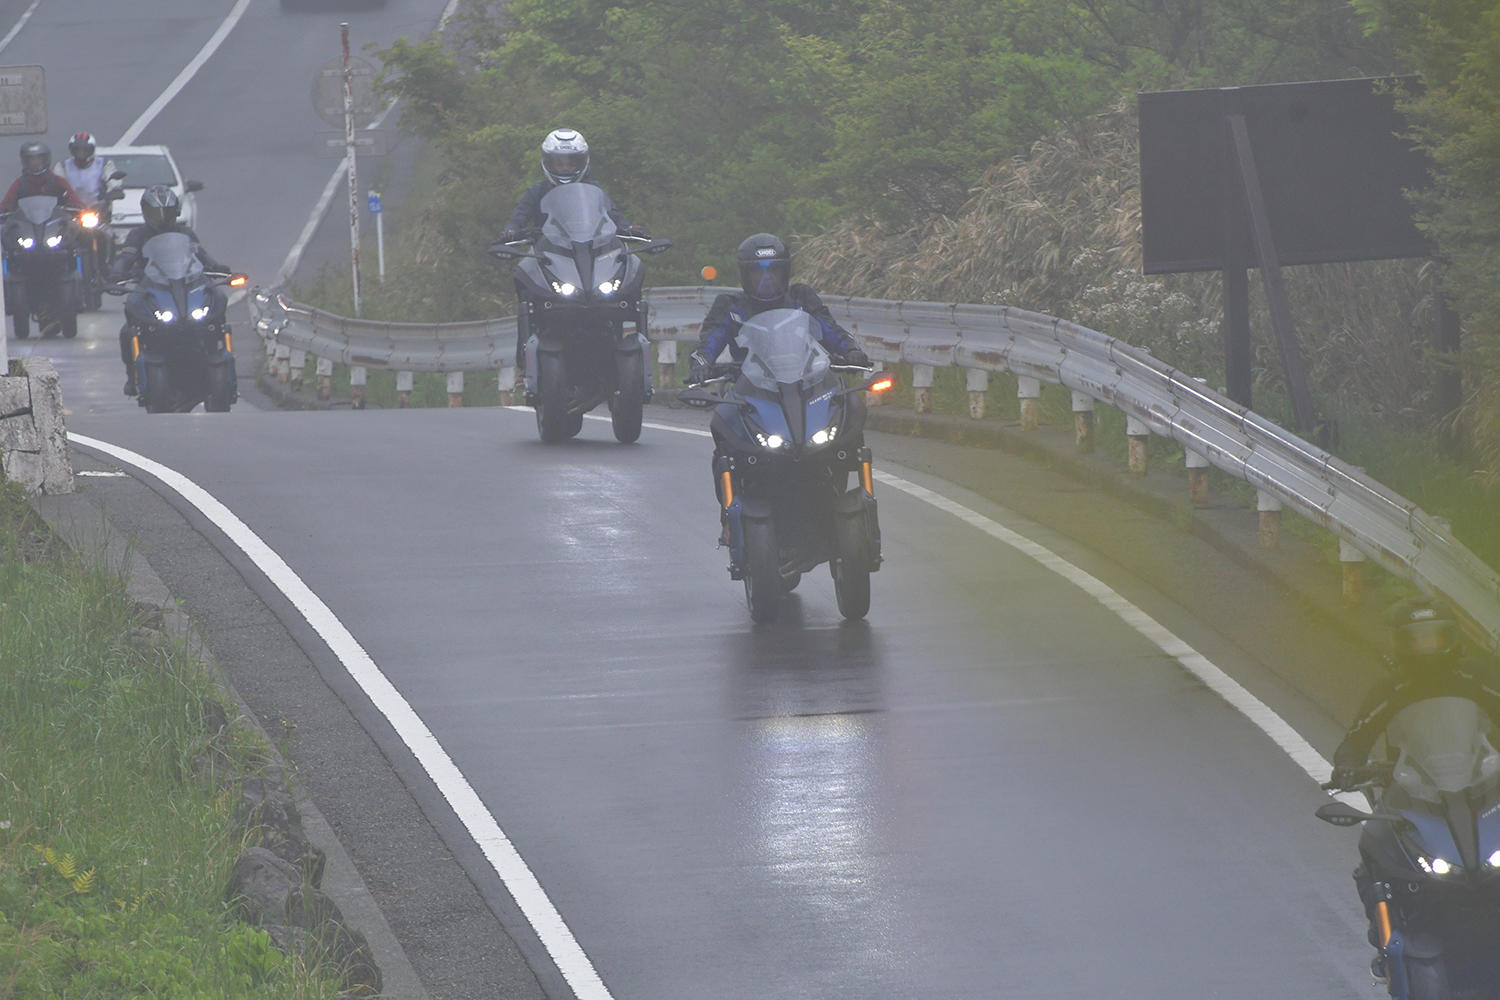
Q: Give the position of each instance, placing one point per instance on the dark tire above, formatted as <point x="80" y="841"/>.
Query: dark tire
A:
<point x="625" y="416"/>
<point x="156" y="393"/>
<point x="789" y="582"/>
<point x="575" y="424"/>
<point x="1426" y="979"/>
<point x="21" y="320"/>
<point x="552" y="421"/>
<point x="763" y="584"/>
<point x="69" y="323"/>
<point x="850" y="568"/>
<point x="221" y="388"/>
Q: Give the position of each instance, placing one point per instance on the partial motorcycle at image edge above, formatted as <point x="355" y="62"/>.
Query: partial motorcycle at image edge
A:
<point x="183" y="345"/>
<point x="583" y="285"/>
<point x="43" y="265"/>
<point x="789" y="434"/>
<point x="1431" y="845"/>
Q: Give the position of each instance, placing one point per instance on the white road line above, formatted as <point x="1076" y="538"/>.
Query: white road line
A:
<point x="188" y="71"/>
<point x="20" y="23"/>
<point x="450" y="781"/>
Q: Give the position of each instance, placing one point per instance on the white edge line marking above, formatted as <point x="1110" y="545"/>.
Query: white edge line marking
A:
<point x="519" y="880"/>
<point x="188" y="71"/>
<point x="20" y="23"/>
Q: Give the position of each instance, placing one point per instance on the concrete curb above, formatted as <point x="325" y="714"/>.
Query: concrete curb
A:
<point x="85" y="527"/>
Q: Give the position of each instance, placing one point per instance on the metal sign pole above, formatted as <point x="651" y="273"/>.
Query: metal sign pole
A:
<point x="379" y="231"/>
<point x="350" y="159"/>
<point x="4" y="349"/>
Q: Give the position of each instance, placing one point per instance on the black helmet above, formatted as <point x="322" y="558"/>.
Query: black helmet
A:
<point x="82" y="148"/>
<point x="765" y="268"/>
<point x="159" y="206"/>
<point x="36" y="158"/>
<point x="1422" y="629"/>
<point x="565" y="156"/>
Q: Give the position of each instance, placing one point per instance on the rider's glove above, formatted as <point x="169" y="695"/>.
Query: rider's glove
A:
<point x="634" y="231"/>
<point x="510" y="236"/>
<point x="854" y="356"/>
<point x="1343" y="776"/>
<point x="700" y="368"/>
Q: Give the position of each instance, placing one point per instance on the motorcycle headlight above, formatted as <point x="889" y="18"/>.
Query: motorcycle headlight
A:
<point x="26" y="242"/>
<point x="199" y="313"/>
<point x="773" y="442"/>
<point x="1495" y="860"/>
<point x="1438" y="866"/>
<point x="54" y="240"/>
<point x="564" y="288"/>
<point x="824" y="436"/>
<point x="609" y="287"/>
<point x="165" y="315"/>
<point x="89" y="220"/>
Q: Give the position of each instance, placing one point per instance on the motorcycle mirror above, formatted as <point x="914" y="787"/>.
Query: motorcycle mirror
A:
<point x="192" y="186"/>
<point x="114" y="195"/>
<point x="118" y="175"/>
<point x="1341" y="814"/>
<point x="709" y="272"/>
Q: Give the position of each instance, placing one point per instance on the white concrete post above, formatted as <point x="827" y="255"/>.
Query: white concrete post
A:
<point x="977" y="380"/>
<point x="1083" y="422"/>
<point x="921" y="383"/>
<point x="1197" y="472"/>
<point x="357" y="376"/>
<point x="283" y="362"/>
<point x="455" y="390"/>
<point x="1029" y="392"/>
<point x="325" y="378"/>
<point x="1269" y="510"/>
<point x="666" y="363"/>
<point x="1139" y="434"/>
<point x="403" y="390"/>
<point x="507" y="385"/>
<point x="1353" y="562"/>
<point x="298" y="365"/>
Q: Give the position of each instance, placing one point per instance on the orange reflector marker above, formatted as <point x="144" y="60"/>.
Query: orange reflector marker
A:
<point x="709" y="273"/>
<point x="728" y="482"/>
<point x="866" y="478"/>
<point x="228" y="344"/>
<point x="1383" y="914"/>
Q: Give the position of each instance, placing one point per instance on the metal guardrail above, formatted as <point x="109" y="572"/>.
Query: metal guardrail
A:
<point x="1386" y="527"/>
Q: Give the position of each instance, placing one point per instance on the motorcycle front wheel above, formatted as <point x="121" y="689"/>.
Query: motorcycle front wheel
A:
<point x="850" y="568"/>
<point x="21" y="315"/>
<point x="552" y="423"/>
<point x="763" y="585"/>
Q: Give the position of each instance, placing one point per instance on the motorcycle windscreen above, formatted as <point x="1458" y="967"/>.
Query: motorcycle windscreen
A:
<point x="170" y="257"/>
<point x="576" y="213"/>
<point x="781" y="349"/>
<point x="37" y="208"/>
<point x="1444" y="748"/>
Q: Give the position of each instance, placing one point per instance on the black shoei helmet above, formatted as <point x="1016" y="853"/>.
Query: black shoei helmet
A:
<point x="1422" y="629"/>
<point x="36" y="158"/>
<point x="765" y="268"/>
<point x="159" y="206"/>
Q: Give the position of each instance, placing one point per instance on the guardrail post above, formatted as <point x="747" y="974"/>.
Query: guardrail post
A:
<point x="283" y="362"/>
<point x="1029" y="392"/>
<point x="921" y="384"/>
<point x="1353" y="562"/>
<point x="1083" y="423"/>
<point x="507" y="385"/>
<point x="403" y="390"/>
<point x="455" y="390"/>
<point x="1269" y="510"/>
<point x="666" y="363"/>
<point x="977" y="381"/>
<point x="325" y="378"/>
<point x="298" y="366"/>
<point x="1197" y="473"/>
<point x="1139" y="434"/>
<point x="271" y="357"/>
<point x="357" y="376"/>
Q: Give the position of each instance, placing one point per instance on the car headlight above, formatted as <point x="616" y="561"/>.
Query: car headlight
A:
<point x="564" y="288"/>
<point x="54" y="240"/>
<point x="165" y="315"/>
<point x="609" y="287"/>
<point x="199" y="313"/>
<point x="89" y="220"/>
<point x="824" y="436"/>
<point x="26" y="242"/>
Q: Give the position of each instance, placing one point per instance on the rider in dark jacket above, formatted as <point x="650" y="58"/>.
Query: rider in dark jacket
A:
<point x="159" y="208"/>
<point x="1427" y="661"/>
<point x="765" y="279"/>
<point x="565" y="160"/>
<point x="37" y="178"/>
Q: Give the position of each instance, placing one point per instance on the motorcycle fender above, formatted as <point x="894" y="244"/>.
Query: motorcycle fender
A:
<point x="735" y="515"/>
<point x="631" y="364"/>
<point x="221" y="372"/>
<point x="533" y="349"/>
<point x="858" y="506"/>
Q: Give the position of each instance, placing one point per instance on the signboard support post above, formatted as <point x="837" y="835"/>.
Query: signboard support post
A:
<point x="350" y="158"/>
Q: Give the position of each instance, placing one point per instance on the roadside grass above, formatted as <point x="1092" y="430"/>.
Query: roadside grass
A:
<point x="117" y="834"/>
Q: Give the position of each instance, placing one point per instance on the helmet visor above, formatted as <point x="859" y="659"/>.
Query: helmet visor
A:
<point x="766" y="280"/>
<point x="36" y="163"/>
<point x="566" y="166"/>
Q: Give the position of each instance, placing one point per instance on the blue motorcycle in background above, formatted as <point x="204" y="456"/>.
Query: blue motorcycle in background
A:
<point x="1432" y="845"/>
<point x="184" y="352"/>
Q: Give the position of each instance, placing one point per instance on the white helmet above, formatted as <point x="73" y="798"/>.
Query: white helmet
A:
<point x="565" y="156"/>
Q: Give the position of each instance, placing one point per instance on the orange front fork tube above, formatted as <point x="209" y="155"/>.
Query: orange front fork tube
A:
<point x="1383" y="919"/>
<point x="726" y="481"/>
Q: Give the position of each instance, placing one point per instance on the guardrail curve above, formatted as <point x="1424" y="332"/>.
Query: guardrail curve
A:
<point x="1386" y="527"/>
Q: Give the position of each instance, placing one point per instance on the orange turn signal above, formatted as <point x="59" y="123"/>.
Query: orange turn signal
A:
<point x="238" y="281"/>
<point x="882" y="385"/>
<point x="709" y="273"/>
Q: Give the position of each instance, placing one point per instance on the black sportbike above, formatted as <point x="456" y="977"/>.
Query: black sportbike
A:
<point x="184" y="351"/>
<point x="43" y="266"/>
<point x="1431" y="853"/>
<point x="788" y="434"/>
<point x="582" y="285"/>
